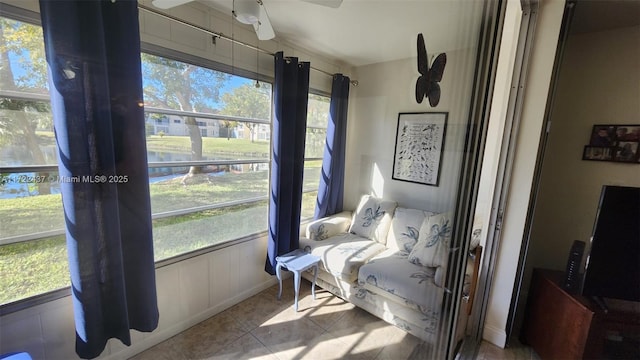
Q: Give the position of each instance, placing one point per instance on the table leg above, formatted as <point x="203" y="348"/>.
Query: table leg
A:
<point x="296" y="277"/>
<point x="279" y="276"/>
<point x="313" y="284"/>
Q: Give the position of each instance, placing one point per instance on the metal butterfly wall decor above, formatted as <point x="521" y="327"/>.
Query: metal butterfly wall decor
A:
<point x="427" y="84"/>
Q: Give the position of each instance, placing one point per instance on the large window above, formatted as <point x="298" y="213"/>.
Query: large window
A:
<point x="209" y="182"/>
<point x="33" y="257"/>
<point x="208" y="146"/>
<point x="317" y="120"/>
<point x="208" y="136"/>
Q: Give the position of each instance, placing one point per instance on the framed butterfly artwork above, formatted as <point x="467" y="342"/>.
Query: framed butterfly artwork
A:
<point x="419" y="147"/>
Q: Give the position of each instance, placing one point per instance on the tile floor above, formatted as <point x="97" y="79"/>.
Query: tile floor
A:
<point x="326" y="328"/>
<point x="516" y="351"/>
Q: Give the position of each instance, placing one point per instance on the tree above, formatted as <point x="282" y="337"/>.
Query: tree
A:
<point x="318" y="110"/>
<point x="177" y="85"/>
<point x="317" y="119"/>
<point x="228" y="125"/>
<point x="250" y="102"/>
<point x="19" y="118"/>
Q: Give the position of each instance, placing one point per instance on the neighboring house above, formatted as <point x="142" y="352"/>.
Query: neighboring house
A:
<point x="173" y="125"/>
<point x="260" y="132"/>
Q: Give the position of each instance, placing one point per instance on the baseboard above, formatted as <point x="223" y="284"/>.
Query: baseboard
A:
<point x="494" y="335"/>
<point x="155" y="338"/>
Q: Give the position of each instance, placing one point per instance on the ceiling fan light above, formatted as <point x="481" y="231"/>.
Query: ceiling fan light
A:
<point x="247" y="11"/>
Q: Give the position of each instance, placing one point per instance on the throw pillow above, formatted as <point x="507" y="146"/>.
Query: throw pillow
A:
<point x="432" y="249"/>
<point x="372" y="218"/>
<point x="477" y="232"/>
<point x="405" y="229"/>
<point x="325" y="228"/>
<point x="475" y="238"/>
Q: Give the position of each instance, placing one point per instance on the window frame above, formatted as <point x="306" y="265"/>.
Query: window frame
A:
<point x="26" y="16"/>
<point x="309" y="190"/>
<point x="33" y="18"/>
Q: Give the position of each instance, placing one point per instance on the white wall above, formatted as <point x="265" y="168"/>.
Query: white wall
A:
<point x="589" y="93"/>
<point x="535" y="97"/>
<point x="385" y="90"/>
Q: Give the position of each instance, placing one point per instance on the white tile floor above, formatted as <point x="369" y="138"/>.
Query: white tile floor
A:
<point x="326" y="328"/>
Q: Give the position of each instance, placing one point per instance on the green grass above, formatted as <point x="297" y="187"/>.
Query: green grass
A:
<point x="35" y="267"/>
<point x="220" y="148"/>
<point x="202" y="189"/>
<point x="25" y="215"/>
<point x="32" y="268"/>
<point x="30" y="214"/>
<point x="182" y="144"/>
<point x="179" y="235"/>
<point x="210" y="146"/>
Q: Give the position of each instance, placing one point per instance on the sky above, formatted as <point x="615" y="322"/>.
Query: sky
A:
<point x="19" y="70"/>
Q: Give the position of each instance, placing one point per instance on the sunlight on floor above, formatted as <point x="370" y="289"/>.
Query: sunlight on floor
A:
<point x="262" y="327"/>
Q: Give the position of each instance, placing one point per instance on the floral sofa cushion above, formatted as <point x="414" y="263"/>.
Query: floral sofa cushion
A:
<point x="432" y="249"/>
<point x="420" y="321"/>
<point x="327" y="227"/>
<point x="393" y="274"/>
<point x="343" y="254"/>
<point x="372" y="218"/>
<point x="476" y="234"/>
<point x="405" y="228"/>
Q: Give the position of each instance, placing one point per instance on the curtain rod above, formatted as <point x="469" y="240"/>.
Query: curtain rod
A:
<point x="222" y="36"/>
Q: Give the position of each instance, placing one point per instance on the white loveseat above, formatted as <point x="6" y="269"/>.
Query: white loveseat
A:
<point x="371" y="258"/>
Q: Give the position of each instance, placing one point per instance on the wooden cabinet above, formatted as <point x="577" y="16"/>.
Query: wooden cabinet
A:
<point x="559" y="325"/>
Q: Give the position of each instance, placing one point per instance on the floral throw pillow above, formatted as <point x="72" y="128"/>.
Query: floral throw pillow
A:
<point x="325" y="228"/>
<point x="405" y="229"/>
<point x="477" y="232"/>
<point x="432" y="249"/>
<point x="372" y="218"/>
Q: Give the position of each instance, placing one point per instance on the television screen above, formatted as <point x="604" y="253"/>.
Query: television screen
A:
<point x="613" y="265"/>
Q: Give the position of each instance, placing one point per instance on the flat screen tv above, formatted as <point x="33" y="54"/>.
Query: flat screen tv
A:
<point x="613" y="264"/>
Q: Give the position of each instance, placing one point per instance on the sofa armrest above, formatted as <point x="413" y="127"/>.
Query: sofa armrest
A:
<point x="329" y="226"/>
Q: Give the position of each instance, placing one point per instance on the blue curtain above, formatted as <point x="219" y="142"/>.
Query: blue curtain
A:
<point x="290" y="98"/>
<point x="93" y="55"/>
<point x="331" y="187"/>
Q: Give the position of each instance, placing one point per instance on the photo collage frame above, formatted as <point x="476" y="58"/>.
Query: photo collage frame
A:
<point x="618" y="143"/>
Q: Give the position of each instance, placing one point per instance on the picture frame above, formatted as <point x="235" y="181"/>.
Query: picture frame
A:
<point x="419" y="147"/>
<point x="614" y="142"/>
<point x="602" y="136"/>
<point x="598" y="153"/>
<point x="626" y="151"/>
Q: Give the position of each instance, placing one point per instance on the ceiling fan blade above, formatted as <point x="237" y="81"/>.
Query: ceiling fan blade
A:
<point x="168" y="4"/>
<point x="329" y="3"/>
<point x="263" y="27"/>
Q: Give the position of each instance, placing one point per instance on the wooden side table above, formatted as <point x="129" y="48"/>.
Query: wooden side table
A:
<point x="297" y="261"/>
<point x="557" y="324"/>
<point x="561" y="325"/>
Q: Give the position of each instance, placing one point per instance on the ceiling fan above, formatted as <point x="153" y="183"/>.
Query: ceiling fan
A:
<point x="251" y="12"/>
